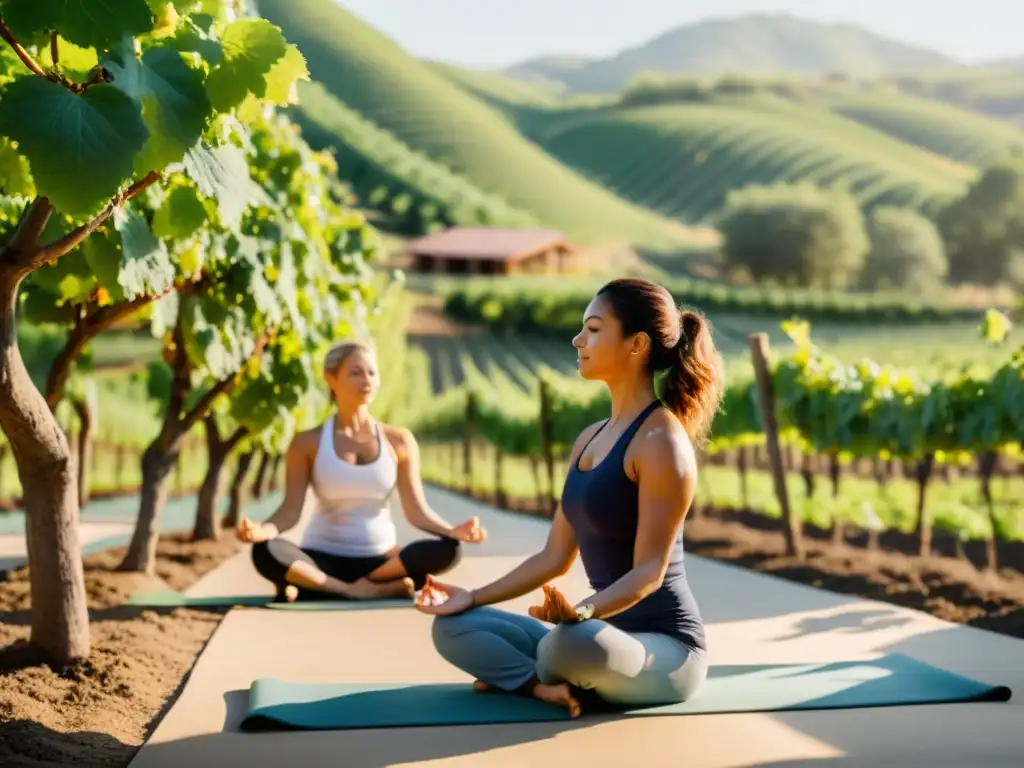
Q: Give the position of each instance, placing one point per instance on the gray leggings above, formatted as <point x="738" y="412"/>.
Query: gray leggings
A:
<point x="507" y="650"/>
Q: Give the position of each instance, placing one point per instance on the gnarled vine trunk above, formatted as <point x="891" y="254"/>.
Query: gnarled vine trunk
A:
<point x="259" y="485"/>
<point x="85" y="445"/>
<point x="157" y="464"/>
<point x="60" y="618"/>
<point x="988" y="462"/>
<point x="207" y="525"/>
<point x="159" y="458"/>
<point x="237" y="493"/>
<point x="923" y="527"/>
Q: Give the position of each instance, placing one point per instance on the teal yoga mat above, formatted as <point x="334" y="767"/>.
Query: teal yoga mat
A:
<point x="169" y="597"/>
<point x="893" y="680"/>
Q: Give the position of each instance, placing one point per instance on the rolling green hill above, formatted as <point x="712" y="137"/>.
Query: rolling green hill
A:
<point x="499" y="89"/>
<point x="754" y="43"/>
<point x="941" y="128"/>
<point x="681" y="160"/>
<point x="415" y="192"/>
<point x="374" y="76"/>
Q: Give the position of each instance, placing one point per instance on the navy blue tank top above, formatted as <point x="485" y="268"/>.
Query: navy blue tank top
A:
<point x="602" y="506"/>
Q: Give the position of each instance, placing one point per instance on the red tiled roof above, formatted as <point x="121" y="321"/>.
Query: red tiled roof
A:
<point x="484" y="242"/>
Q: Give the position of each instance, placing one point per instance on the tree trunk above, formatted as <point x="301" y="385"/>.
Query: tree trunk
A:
<point x="3" y="457"/>
<point x="85" y="448"/>
<point x="157" y="464"/>
<point x="237" y="498"/>
<point x="807" y="473"/>
<point x="163" y="453"/>
<point x="259" y="485"/>
<point x="60" y="618"/>
<point x="275" y="473"/>
<point x="207" y="525"/>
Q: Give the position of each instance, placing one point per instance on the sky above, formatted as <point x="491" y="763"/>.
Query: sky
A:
<point x="496" y="33"/>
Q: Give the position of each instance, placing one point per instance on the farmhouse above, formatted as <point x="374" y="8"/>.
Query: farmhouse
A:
<point x="491" y="251"/>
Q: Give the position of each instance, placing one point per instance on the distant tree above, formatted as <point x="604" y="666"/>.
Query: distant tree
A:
<point x="651" y="88"/>
<point x="796" y="234"/>
<point x="736" y="84"/>
<point x="907" y="251"/>
<point x="984" y="229"/>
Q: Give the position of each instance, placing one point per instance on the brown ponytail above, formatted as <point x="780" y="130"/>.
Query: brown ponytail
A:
<point x="693" y="383"/>
<point x="681" y="345"/>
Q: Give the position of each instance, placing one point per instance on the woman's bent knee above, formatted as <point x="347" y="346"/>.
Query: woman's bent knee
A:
<point x="568" y="650"/>
<point x="449" y="633"/>
<point x="448" y="554"/>
<point x="432" y="556"/>
<point x="265" y="563"/>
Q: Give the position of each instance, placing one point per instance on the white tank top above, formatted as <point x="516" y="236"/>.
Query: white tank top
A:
<point x="352" y="518"/>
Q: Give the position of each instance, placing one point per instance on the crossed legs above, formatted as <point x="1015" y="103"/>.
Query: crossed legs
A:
<point x="319" y="575"/>
<point x="591" y="661"/>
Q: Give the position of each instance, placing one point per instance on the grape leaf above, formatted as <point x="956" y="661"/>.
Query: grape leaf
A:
<point x="251" y="48"/>
<point x="174" y="102"/>
<point x="221" y="173"/>
<point x="80" y="21"/>
<point x="216" y="337"/>
<point x="79" y="148"/>
<point x="283" y="77"/>
<point x="15" y="177"/>
<point x="190" y="38"/>
<point x="164" y="314"/>
<point x="103" y="256"/>
<point x="145" y="266"/>
<point x="180" y="216"/>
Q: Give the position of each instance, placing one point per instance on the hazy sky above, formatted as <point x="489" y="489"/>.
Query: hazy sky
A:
<point x="500" y="32"/>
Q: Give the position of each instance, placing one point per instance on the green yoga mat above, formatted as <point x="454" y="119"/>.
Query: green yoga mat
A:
<point x="890" y="681"/>
<point x="169" y="597"/>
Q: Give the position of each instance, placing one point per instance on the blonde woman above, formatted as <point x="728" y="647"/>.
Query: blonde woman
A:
<point x="353" y="464"/>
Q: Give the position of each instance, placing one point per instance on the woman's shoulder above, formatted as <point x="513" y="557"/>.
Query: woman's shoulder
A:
<point x="662" y="437"/>
<point x="401" y="439"/>
<point x="307" y="440"/>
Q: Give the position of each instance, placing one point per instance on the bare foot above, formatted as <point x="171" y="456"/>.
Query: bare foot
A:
<point x="558" y="694"/>
<point x="365" y="589"/>
<point x="291" y="593"/>
<point x="481" y="687"/>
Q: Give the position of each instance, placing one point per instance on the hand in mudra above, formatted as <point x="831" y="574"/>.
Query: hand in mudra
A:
<point x="556" y="608"/>
<point x="440" y="599"/>
<point x="251" y="532"/>
<point x="470" y="531"/>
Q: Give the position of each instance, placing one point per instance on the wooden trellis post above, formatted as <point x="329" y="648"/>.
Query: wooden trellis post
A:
<point x="791" y="526"/>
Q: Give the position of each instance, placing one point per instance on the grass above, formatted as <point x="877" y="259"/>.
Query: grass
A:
<point x="375" y="77"/>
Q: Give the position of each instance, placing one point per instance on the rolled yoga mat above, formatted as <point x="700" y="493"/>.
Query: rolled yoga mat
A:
<point x="171" y="597"/>
<point x="893" y="680"/>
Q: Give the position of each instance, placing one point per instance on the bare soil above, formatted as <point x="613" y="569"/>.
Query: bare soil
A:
<point x="99" y="712"/>
<point x="428" y="319"/>
<point x="950" y="588"/>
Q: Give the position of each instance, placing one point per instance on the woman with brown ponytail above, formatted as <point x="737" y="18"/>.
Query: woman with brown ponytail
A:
<point x="639" y="638"/>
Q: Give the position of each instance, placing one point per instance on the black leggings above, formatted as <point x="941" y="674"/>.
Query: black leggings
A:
<point x="428" y="556"/>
